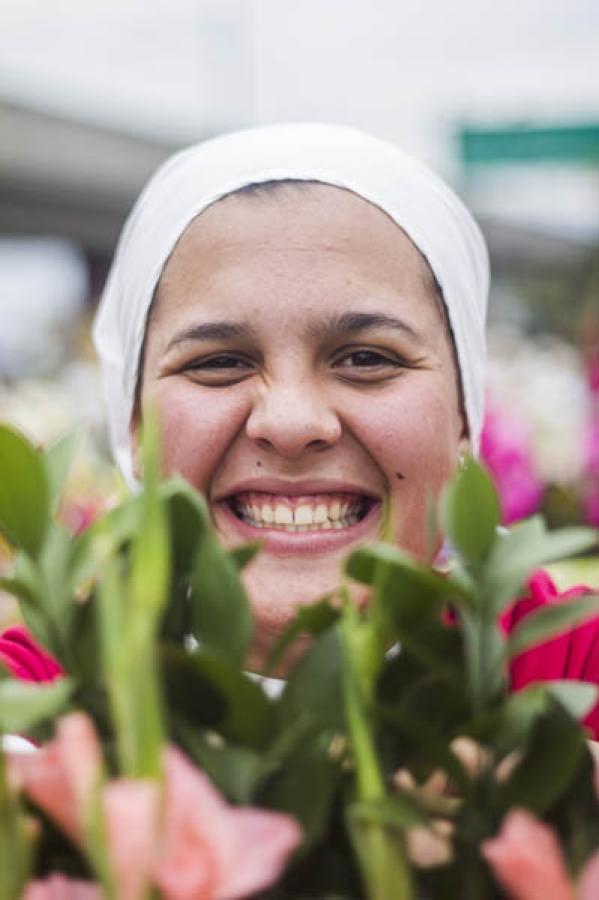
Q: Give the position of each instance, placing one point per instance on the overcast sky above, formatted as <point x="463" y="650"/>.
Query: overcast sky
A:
<point x="402" y="68"/>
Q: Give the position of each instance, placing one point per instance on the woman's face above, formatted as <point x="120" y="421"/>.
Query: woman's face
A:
<point x="302" y="372"/>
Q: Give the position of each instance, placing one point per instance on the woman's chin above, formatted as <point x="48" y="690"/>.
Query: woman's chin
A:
<point x="275" y="603"/>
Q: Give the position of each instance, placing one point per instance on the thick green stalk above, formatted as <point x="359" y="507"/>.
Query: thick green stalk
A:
<point x="380" y="851"/>
<point x="15" y="841"/>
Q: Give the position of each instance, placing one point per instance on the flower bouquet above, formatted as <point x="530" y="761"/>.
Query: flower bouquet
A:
<point x="395" y="762"/>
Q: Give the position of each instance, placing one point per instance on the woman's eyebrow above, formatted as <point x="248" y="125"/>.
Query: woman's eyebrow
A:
<point x="210" y="331"/>
<point x="358" y="321"/>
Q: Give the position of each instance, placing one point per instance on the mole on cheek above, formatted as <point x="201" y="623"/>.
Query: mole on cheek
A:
<point x="258" y="463"/>
<point x="400" y="476"/>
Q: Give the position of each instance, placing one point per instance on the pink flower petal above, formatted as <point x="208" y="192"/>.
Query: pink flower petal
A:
<point x="211" y="849"/>
<point x="507" y="451"/>
<point x="60" y="776"/>
<point x="588" y="885"/>
<point x="526" y="860"/>
<point x="59" y="887"/>
<point x="131" y="817"/>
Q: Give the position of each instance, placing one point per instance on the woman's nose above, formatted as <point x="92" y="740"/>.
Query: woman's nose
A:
<point x="291" y="418"/>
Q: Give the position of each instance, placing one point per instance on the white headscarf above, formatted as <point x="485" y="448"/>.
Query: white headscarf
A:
<point x="427" y="210"/>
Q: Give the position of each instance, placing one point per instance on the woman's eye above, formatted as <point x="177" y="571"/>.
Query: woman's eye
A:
<point x="369" y="365"/>
<point x="366" y="359"/>
<point x="218" y="362"/>
<point x="222" y="369"/>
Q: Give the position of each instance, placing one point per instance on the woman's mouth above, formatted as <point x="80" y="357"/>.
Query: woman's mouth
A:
<point x="301" y="524"/>
<point x="314" y="512"/>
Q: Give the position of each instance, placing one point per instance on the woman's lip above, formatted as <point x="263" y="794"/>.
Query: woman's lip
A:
<point x="304" y="543"/>
<point x="285" y="488"/>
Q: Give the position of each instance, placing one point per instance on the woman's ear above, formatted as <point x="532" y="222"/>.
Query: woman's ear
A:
<point x="135" y="448"/>
<point x="464" y="444"/>
<point x="464" y="447"/>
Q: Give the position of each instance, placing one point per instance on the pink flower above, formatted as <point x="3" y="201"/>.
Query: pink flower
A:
<point x="588" y="884"/>
<point x="505" y="448"/>
<point x="591" y="473"/>
<point x="59" y="887"/>
<point x="60" y="777"/>
<point x="211" y="849"/>
<point x="526" y="859"/>
<point x="202" y="846"/>
<point x="131" y="810"/>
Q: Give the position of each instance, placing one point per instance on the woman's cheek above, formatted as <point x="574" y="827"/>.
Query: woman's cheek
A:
<point x="412" y="435"/>
<point x="197" y="426"/>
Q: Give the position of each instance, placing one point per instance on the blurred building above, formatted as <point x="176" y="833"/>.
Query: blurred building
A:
<point x="94" y="95"/>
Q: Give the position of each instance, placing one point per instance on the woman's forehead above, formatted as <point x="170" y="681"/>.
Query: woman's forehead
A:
<point x="315" y="232"/>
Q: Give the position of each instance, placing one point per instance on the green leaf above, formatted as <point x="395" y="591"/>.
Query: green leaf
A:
<point x="19" y="589"/>
<point x="314" y="687"/>
<point x="58" y="459"/>
<point x="554" y="751"/>
<point x="526" y="547"/>
<point x="470" y="513"/>
<point x="191" y="696"/>
<point x="24" y="705"/>
<point x="234" y="770"/>
<point x="311" y="619"/>
<point x="306" y="788"/>
<point x="550" y="621"/>
<point x="397" y="811"/>
<point x="243" y="555"/>
<point x="27" y="584"/>
<point x="245" y="714"/>
<point x="509" y="727"/>
<point x="16" y="841"/>
<point x="189" y="521"/>
<point x="220" y="610"/>
<point x="577" y="697"/>
<point x="24" y="492"/>
<point x="150" y="563"/>
<point x="410" y="591"/>
<point x="55" y="575"/>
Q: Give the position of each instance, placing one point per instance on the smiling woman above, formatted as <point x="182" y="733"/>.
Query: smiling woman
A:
<point x="304" y="306"/>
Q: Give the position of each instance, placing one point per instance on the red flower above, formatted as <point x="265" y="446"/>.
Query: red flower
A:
<point x="573" y="655"/>
<point x="25" y="658"/>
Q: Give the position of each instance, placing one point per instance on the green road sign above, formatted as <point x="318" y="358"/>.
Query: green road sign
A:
<point x="525" y="143"/>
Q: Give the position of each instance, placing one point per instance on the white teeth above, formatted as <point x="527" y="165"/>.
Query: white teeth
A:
<point x="320" y="516"/>
<point x="305" y="517"/>
<point x="283" y="515"/>
<point x="302" y="515"/>
<point x="335" y="511"/>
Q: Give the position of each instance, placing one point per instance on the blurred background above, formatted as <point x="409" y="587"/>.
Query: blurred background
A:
<point x="501" y="98"/>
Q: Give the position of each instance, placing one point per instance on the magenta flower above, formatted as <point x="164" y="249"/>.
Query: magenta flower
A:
<point x="506" y="451"/>
<point x="591" y="469"/>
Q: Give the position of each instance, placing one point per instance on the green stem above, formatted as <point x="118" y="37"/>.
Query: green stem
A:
<point x="15" y="843"/>
<point x="380" y="851"/>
